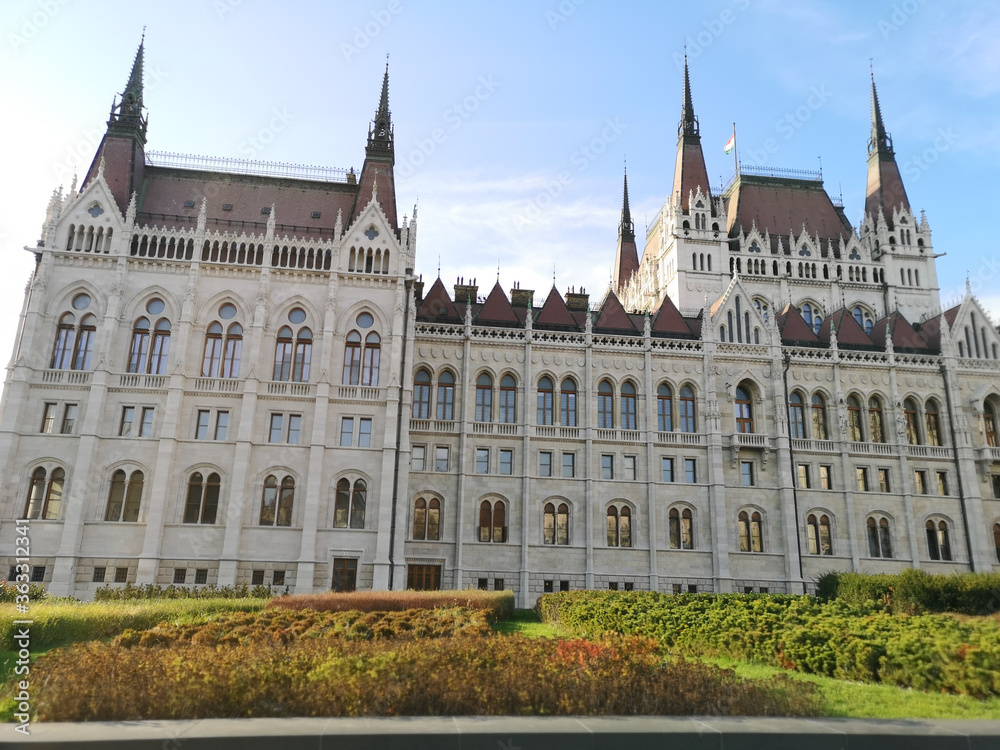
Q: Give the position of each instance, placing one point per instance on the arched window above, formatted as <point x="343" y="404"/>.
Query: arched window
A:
<point x="45" y="494"/>
<point x="681" y="533"/>
<point x="276" y="503"/>
<point x="555" y="524"/>
<point x="202" y="498"/>
<point x="212" y="356"/>
<point x="161" y="345"/>
<point x="859" y="316"/>
<point x="912" y="425"/>
<point x="990" y="424"/>
<point x="854" y="431"/>
<point x="686" y="413"/>
<point x="74" y="343"/>
<point x="818" y="529"/>
<point x="750" y="532"/>
<point x="879" y="543"/>
<point x="664" y="409"/>
<point x="493" y="521"/>
<point x="819" y="417"/>
<point x="807" y="314"/>
<point x="628" y="407"/>
<point x="544" y="416"/>
<point x="370" y="359"/>
<point x="484" y="398"/>
<point x="567" y="403"/>
<point x="619" y="526"/>
<point x="446" y="396"/>
<point x="508" y="400"/>
<point x="124" y="497"/>
<point x="605" y="405"/>
<point x="796" y="415"/>
<point x="938" y="542"/>
<point x="349" y="504"/>
<point x="743" y="409"/>
<point x="427" y="519"/>
<point x="875" y="428"/>
<point x="352" y="358"/>
<point x="221" y="356"/>
<point x="232" y="351"/>
<point x="422" y="395"/>
<point x="932" y="422"/>
<point x="140" y="346"/>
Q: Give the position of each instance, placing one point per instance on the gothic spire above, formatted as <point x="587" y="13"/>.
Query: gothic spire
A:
<point x="689" y="169"/>
<point x="885" y="191"/>
<point x="627" y="255"/>
<point x="380" y="135"/>
<point x="126" y="114"/>
<point x="880" y="140"/>
<point x="689" y="122"/>
<point x="626" y="227"/>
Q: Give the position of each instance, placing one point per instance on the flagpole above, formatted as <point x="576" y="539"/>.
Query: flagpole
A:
<point x="736" y="151"/>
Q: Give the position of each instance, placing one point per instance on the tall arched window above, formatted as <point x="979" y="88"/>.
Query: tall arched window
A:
<point x="567" y="403"/>
<point x="938" y="541"/>
<point x="555" y="524"/>
<point x="140" y="346"/>
<point x="664" y="409"/>
<point x="932" y="422"/>
<point x="686" y="408"/>
<point x="990" y="424"/>
<point x="293" y="353"/>
<point x="876" y="432"/>
<point x="74" y="343"/>
<point x="910" y="419"/>
<point x="629" y="420"/>
<point x="544" y="410"/>
<point x="276" y="503"/>
<point x="232" y="351"/>
<point x="370" y="359"/>
<point x="161" y="345"/>
<point x="879" y="543"/>
<point x="744" y="410"/>
<point x="212" y="356"/>
<point x="818" y="417"/>
<point x="45" y="494"/>
<point x="427" y="519"/>
<point x="422" y="395"/>
<point x="818" y="528"/>
<point x="605" y="405"/>
<point x="349" y="504"/>
<point x="750" y="532"/>
<point x="680" y="528"/>
<point x="493" y="521"/>
<point x="484" y="398"/>
<point x="202" y="503"/>
<point x="508" y="400"/>
<point x="796" y="415"/>
<point x="854" y="430"/>
<point x="446" y="396"/>
<point x="124" y="497"/>
<point x="352" y="359"/>
<point x="619" y="526"/>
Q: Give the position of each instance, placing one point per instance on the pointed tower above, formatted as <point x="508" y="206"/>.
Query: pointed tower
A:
<point x="885" y="186"/>
<point x="689" y="169"/>
<point x="627" y="258"/>
<point x="380" y="157"/>
<point x="123" y="147"/>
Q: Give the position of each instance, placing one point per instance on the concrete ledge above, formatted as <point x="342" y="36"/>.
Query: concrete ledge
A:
<point x="510" y="733"/>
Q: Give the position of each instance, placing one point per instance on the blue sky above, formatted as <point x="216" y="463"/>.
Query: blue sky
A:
<point x="513" y="119"/>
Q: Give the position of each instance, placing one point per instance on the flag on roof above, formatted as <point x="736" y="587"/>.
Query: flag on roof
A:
<point x="731" y="143"/>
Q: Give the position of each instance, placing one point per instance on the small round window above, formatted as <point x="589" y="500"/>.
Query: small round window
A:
<point x="365" y="320"/>
<point x="297" y="315"/>
<point x="227" y="311"/>
<point x="154" y="306"/>
<point x="81" y="302"/>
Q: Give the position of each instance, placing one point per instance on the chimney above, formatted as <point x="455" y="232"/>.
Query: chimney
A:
<point x="577" y="301"/>
<point x="418" y="289"/>
<point x="522" y="297"/>
<point x="465" y="292"/>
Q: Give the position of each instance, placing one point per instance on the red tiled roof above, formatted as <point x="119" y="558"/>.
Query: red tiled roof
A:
<point x="555" y="313"/>
<point x="627" y="261"/>
<point x="930" y="329"/>
<point x="849" y="333"/>
<point x="118" y="154"/>
<point x="612" y="315"/>
<point x="668" y="320"/>
<point x="794" y="328"/>
<point x="885" y="187"/>
<point x="497" y="308"/>
<point x="781" y="205"/>
<point x="689" y="171"/>
<point x="903" y="335"/>
<point x="385" y="193"/>
<point x="437" y="305"/>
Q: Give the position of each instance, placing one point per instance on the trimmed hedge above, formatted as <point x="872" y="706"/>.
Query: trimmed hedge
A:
<point x="866" y="643"/>
<point x="130" y="592"/>
<point x="915" y="591"/>
<point x="9" y="592"/>
<point x="499" y="605"/>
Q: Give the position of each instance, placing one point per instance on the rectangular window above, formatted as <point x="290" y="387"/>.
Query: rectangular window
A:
<point x="257" y="578"/>
<point x="278" y="578"/>
<point x="507" y="461"/>
<point x="612" y="585"/>
<point x="441" y="458"/>
<point x="825" y="481"/>
<point x="346" y="431"/>
<point x="667" y="468"/>
<point x="942" y="482"/>
<point x="746" y="473"/>
<point x="564" y="585"/>
<point x="484" y="584"/>
<point x="418" y="455"/>
<point x="49" y="418"/>
<point x="38" y="574"/>
<point x="692" y="588"/>
<point x="423" y="577"/>
<point x="862" y="477"/>
<point x="883" y="480"/>
<point x="630" y="468"/>
<point x="676" y="589"/>
<point x="99" y="574"/>
<point x="996" y="485"/>
<point x="121" y="575"/>
<point x="125" y="426"/>
<point x="545" y="464"/>
<point x="482" y="460"/>
<point x="546" y="587"/>
<point x="69" y="419"/>
<point x="146" y="426"/>
<point x="274" y="436"/>
<point x="180" y="575"/>
<point x="201" y="428"/>
<point x="804" y="483"/>
<point x="294" y="428"/>
<point x="365" y="432"/>
<point x="201" y="575"/>
<point x="569" y="465"/>
<point x="221" y="424"/>
<point x="920" y="481"/>
<point x="690" y="470"/>
<point x="498" y="584"/>
<point x="607" y="466"/>
<point x="629" y="586"/>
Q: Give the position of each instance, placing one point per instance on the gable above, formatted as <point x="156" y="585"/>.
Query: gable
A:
<point x="497" y="308"/>
<point x="612" y="315"/>
<point x="437" y="305"/>
<point x="554" y="313"/>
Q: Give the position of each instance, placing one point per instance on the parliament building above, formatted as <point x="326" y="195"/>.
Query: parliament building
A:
<point x="232" y="372"/>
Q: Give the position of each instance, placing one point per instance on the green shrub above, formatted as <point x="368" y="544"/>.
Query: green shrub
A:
<point x="9" y="592"/>
<point x="914" y="591"/>
<point x="130" y="592"/>
<point x="499" y="605"/>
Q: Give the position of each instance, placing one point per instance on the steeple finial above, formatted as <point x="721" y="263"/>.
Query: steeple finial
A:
<point x="126" y="114"/>
<point x="380" y="134"/>
<point x="626" y="228"/>
<point x="689" y="122"/>
<point x="880" y="140"/>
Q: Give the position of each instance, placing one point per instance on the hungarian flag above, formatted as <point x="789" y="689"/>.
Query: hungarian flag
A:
<point x="731" y="143"/>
